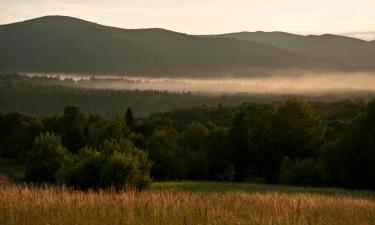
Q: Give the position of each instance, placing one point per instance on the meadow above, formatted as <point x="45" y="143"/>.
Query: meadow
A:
<point x="186" y="203"/>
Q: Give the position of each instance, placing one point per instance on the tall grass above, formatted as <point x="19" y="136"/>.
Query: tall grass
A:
<point x="57" y="205"/>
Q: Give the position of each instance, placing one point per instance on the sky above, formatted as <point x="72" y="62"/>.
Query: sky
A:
<point x="346" y="17"/>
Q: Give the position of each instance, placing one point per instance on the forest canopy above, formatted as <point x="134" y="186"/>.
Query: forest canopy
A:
<point x="292" y="142"/>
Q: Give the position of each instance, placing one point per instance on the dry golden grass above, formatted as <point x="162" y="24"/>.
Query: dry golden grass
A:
<point x="55" y="206"/>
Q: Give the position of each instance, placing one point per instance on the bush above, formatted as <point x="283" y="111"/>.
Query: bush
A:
<point x="45" y="158"/>
<point x="120" y="165"/>
<point x="123" y="170"/>
<point x="126" y="166"/>
<point x="306" y="172"/>
<point x="82" y="171"/>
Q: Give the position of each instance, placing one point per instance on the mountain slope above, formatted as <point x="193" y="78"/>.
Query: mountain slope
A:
<point x="333" y="48"/>
<point x="66" y="44"/>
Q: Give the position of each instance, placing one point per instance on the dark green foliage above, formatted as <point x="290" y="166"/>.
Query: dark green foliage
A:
<point x="82" y="170"/>
<point x="121" y="171"/>
<point x="297" y="131"/>
<point x="45" y="158"/>
<point x="218" y="154"/>
<point x="95" y="130"/>
<point x="119" y="165"/>
<point x="251" y="142"/>
<point x="72" y="129"/>
<point x="125" y="166"/>
<point x="99" y="128"/>
<point x="17" y="134"/>
<point x="244" y="143"/>
<point x="148" y="126"/>
<point x="306" y="172"/>
<point x="198" y="165"/>
<point x="194" y="135"/>
<point x="182" y="117"/>
<point x="167" y="156"/>
<point x="192" y="140"/>
<point x="129" y="119"/>
<point x="350" y="159"/>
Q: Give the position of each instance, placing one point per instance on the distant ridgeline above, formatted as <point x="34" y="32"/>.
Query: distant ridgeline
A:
<point x="66" y="44"/>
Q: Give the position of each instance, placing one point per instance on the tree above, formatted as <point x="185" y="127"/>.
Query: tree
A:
<point x="17" y="134"/>
<point x="194" y="135"/>
<point x="95" y="130"/>
<point x="192" y="140"/>
<point x="219" y="155"/>
<point x="252" y="144"/>
<point x="100" y="128"/>
<point x="129" y="119"/>
<point x="82" y="170"/>
<point x="125" y="166"/>
<point x="72" y="130"/>
<point x="297" y="131"/>
<point x="166" y="155"/>
<point x="45" y="158"/>
<point x="350" y="159"/>
<point x="119" y="165"/>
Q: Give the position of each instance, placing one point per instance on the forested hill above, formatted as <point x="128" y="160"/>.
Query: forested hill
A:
<point x="333" y="48"/>
<point x="66" y="44"/>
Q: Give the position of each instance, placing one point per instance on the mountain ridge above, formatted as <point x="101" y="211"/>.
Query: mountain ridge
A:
<point x="335" y="48"/>
<point x="72" y="45"/>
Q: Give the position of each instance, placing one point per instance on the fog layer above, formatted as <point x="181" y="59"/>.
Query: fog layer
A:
<point x="309" y="83"/>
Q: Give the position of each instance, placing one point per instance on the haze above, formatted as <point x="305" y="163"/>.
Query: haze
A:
<point x="347" y="17"/>
<point x="308" y="83"/>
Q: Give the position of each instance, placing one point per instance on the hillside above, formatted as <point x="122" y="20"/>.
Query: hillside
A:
<point x="66" y="44"/>
<point x="333" y="48"/>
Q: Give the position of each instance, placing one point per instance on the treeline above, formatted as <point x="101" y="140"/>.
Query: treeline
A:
<point x="46" y="96"/>
<point x="285" y="143"/>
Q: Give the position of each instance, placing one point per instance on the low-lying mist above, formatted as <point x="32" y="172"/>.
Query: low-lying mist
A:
<point x="305" y="84"/>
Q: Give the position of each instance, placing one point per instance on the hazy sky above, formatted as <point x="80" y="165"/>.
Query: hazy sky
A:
<point x="349" y="17"/>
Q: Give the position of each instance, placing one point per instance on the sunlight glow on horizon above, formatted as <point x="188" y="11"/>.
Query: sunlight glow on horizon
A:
<point x="346" y="17"/>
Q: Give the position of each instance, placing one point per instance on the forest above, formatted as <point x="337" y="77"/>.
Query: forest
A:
<point x="46" y="96"/>
<point x="292" y="142"/>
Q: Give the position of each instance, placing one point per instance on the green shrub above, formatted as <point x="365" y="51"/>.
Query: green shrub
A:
<point x="120" y="165"/>
<point x="125" y="171"/>
<point x="45" y="158"/>
<point x="301" y="172"/>
<point x="83" y="170"/>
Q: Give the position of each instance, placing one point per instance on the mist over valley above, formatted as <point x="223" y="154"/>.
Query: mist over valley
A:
<point x="303" y="83"/>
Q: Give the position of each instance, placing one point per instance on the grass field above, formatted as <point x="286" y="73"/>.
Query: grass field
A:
<point x="186" y="203"/>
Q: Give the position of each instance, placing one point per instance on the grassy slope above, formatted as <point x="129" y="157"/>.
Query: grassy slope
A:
<point x="183" y="202"/>
<point x="257" y="188"/>
<point x="58" y="206"/>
